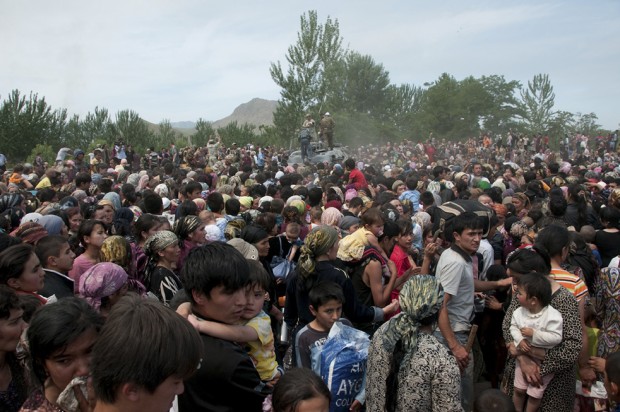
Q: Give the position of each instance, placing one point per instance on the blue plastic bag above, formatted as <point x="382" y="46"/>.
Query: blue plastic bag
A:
<point x="342" y="365"/>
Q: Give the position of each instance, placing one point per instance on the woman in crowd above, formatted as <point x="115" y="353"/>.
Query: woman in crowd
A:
<point x="560" y="360"/>
<point x="191" y="233"/>
<point x="60" y="337"/>
<point x="408" y="369"/>
<point x="13" y="386"/>
<point x="163" y="251"/>
<point x="146" y="226"/>
<point x="607" y="305"/>
<point x="73" y="219"/>
<point x="316" y="265"/>
<point x="522" y="204"/>
<point x="91" y="235"/>
<point x="21" y="270"/>
<point x="607" y="240"/>
<point x="103" y="285"/>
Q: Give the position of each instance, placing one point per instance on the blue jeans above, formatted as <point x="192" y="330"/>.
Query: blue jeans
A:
<point x="467" y="375"/>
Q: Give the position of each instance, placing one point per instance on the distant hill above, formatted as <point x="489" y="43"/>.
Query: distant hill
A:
<point x="257" y="112"/>
<point x="183" y="125"/>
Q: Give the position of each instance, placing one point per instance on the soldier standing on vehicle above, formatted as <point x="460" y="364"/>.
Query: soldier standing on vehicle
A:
<point x="305" y="135"/>
<point x="327" y="129"/>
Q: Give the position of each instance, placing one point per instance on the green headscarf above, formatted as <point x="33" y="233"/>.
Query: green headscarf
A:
<point x="420" y="297"/>
<point x="317" y="243"/>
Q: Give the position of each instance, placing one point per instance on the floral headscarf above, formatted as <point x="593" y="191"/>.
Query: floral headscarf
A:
<point x="100" y="281"/>
<point x="420" y="297"/>
<point x="317" y="243"/>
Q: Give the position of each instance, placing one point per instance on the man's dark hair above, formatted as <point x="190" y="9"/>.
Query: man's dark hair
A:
<point x="215" y="202"/>
<point x="437" y="170"/>
<point x="191" y="187"/>
<point x="233" y="206"/>
<point x="467" y="220"/>
<point x="153" y="204"/>
<point x="323" y="292"/>
<point x="349" y="163"/>
<point x="258" y="190"/>
<point x="81" y="178"/>
<point x="412" y="182"/>
<point x="213" y="265"/>
<point x="49" y="246"/>
<point x="356" y="202"/>
<point x="142" y="323"/>
<point x="554" y="167"/>
<point x="427" y="199"/>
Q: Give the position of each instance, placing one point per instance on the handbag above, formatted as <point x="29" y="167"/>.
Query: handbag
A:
<point x="282" y="267"/>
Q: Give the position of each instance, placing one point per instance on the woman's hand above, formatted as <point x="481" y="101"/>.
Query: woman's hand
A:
<point x="491" y="302"/>
<point x="391" y="308"/>
<point x="512" y="350"/>
<point x="530" y="370"/>
<point x="596" y="363"/>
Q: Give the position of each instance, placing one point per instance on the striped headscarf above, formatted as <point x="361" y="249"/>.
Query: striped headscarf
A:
<point x="317" y="243"/>
<point x="186" y="225"/>
<point x="159" y="241"/>
<point x="420" y="297"/>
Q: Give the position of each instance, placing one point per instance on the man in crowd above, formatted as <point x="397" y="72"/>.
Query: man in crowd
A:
<point x="215" y="277"/>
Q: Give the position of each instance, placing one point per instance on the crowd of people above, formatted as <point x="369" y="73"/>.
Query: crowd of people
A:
<point x="212" y="278"/>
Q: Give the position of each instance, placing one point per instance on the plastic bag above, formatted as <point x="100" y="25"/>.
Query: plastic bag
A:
<point x="342" y="365"/>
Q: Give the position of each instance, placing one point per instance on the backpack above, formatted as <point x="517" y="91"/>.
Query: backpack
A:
<point x="443" y="216"/>
<point x="305" y="134"/>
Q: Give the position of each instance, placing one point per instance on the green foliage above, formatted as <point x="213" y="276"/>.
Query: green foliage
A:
<point x="25" y="120"/>
<point x="204" y="132"/>
<point x="303" y="82"/>
<point x="536" y="104"/>
<point x="48" y="154"/>
<point x="233" y="133"/>
<point x="132" y="130"/>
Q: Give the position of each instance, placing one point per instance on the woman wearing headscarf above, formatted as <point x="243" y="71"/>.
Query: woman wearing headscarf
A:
<point x="103" y="285"/>
<point x="408" y="369"/>
<point x="163" y="251"/>
<point x="316" y="265"/>
<point x="54" y="225"/>
<point x="191" y="233"/>
<point x="123" y="222"/>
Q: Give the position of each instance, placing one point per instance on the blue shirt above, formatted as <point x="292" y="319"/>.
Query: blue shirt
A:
<point x="413" y="197"/>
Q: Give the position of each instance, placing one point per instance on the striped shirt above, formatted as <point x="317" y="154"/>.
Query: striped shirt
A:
<point x="573" y="283"/>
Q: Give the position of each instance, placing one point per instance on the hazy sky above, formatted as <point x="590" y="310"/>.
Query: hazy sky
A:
<point x="183" y="60"/>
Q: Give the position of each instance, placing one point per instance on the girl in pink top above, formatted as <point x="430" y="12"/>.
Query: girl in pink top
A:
<point x="91" y="235"/>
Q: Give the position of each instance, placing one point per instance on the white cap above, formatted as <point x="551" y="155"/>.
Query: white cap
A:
<point x="279" y="174"/>
<point x="327" y="114"/>
<point x="166" y="202"/>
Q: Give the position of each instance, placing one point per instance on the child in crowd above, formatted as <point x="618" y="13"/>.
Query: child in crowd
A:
<point x="493" y="400"/>
<point x="534" y="324"/>
<point x="255" y="332"/>
<point x="612" y="379"/>
<point x="326" y="301"/>
<point x="352" y="247"/>
<point x="299" y="390"/>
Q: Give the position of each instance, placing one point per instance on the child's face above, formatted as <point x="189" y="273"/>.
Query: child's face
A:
<point x="327" y="314"/>
<point x="316" y="404"/>
<point x="376" y="228"/>
<point x="526" y="301"/>
<point x="255" y="297"/>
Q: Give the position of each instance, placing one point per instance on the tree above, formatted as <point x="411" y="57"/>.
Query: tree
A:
<point x="166" y="134"/>
<point x="132" y="130"/>
<point x="586" y="124"/>
<point x="304" y="85"/>
<point x="96" y="126"/>
<point x="25" y="122"/>
<point x="204" y="131"/>
<point x="233" y="133"/>
<point x="536" y="104"/>
<point x="503" y="106"/>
